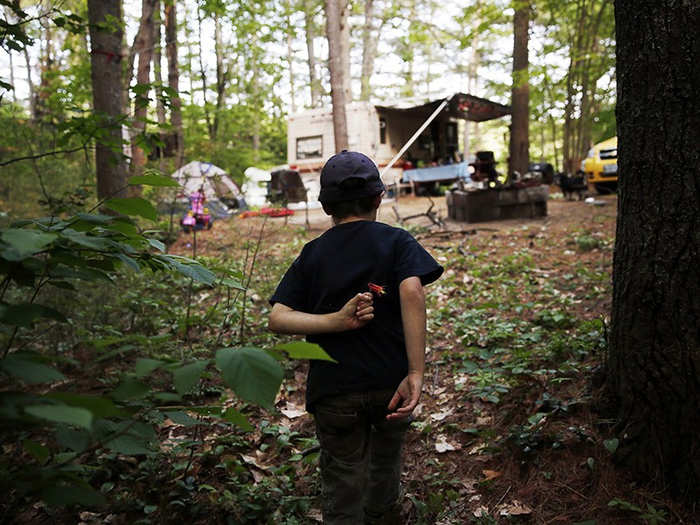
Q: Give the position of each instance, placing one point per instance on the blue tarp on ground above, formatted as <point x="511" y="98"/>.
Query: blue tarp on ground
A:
<point x="448" y="172"/>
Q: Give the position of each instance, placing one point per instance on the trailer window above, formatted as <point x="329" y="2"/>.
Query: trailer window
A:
<point x="309" y="147"/>
<point x="382" y="130"/>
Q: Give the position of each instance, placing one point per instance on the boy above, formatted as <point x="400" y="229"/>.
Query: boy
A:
<point x="357" y="291"/>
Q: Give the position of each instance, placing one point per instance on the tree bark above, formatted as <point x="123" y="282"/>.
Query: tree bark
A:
<point x="144" y="48"/>
<point x="336" y="21"/>
<point x="654" y="357"/>
<point x="174" y="80"/>
<point x="106" y="73"/>
<point x="519" y="133"/>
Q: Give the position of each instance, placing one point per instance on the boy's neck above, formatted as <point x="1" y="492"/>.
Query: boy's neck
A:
<point x="353" y="218"/>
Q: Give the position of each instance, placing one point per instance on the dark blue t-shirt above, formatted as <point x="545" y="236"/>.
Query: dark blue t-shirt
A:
<point x="333" y="268"/>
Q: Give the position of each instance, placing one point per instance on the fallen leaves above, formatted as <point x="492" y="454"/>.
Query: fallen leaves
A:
<point x="442" y="445"/>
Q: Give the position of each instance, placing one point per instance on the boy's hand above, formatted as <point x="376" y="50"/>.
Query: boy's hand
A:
<point x="356" y="313"/>
<point x="406" y="396"/>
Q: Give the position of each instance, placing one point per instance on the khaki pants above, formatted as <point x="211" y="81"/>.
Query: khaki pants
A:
<point x="360" y="458"/>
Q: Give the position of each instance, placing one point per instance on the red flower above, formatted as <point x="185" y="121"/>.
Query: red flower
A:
<point x="376" y="289"/>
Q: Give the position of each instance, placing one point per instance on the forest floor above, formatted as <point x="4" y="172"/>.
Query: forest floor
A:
<point x="511" y="427"/>
<point x="503" y="433"/>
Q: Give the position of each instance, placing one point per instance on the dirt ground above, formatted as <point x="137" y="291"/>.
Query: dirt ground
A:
<point x="480" y="484"/>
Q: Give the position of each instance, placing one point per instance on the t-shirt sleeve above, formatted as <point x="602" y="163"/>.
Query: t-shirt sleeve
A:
<point x="291" y="290"/>
<point x="414" y="261"/>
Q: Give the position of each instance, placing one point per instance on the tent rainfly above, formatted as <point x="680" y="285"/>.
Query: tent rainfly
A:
<point x="215" y="182"/>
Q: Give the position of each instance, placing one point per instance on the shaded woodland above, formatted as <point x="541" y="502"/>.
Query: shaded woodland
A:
<point x="138" y="380"/>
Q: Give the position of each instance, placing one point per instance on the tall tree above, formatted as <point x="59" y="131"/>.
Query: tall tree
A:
<point x="174" y="80"/>
<point x="586" y="27"/>
<point x="203" y="73"/>
<point x="290" y="33"/>
<point x="336" y="24"/>
<point x="144" y="47"/>
<point x="654" y="358"/>
<point x="105" y="18"/>
<point x="520" y="98"/>
<point x="158" y="73"/>
<point x="310" y="33"/>
<point x="222" y="74"/>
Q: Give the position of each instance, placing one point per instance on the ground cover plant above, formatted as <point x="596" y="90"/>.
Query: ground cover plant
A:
<point x="158" y="425"/>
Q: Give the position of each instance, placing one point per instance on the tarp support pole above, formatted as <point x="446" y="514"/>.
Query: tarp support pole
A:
<point x="415" y="136"/>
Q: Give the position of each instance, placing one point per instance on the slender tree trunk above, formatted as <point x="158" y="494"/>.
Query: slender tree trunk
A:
<point x="336" y="23"/>
<point x="310" y="33"/>
<point x="106" y="72"/>
<point x="12" y="76"/>
<point x="30" y="83"/>
<point x="344" y="8"/>
<point x="519" y="134"/>
<point x="158" y="77"/>
<point x="144" y="48"/>
<point x="203" y="75"/>
<point x="654" y="358"/>
<point x="369" y="51"/>
<point x="472" y="82"/>
<point x="174" y="80"/>
<point x="221" y="76"/>
<point x="290" y="59"/>
<point x="553" y="125"/>
<point x="158" y="61"/>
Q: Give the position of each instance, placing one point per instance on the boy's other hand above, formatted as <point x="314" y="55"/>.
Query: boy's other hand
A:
<point x="356" y="313"/>
<point x="406" y="396"/>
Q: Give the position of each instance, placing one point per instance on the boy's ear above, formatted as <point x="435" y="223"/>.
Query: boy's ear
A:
<point x="378" y="200"/>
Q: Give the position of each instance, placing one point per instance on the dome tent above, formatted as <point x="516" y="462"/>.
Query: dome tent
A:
<point x="222" y="194"/>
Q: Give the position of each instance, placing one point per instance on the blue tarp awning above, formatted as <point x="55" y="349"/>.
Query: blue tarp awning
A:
<point x="436" y="173"/>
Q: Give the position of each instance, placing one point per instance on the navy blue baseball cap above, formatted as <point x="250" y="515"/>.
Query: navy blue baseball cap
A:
<point x="349" y="175"/>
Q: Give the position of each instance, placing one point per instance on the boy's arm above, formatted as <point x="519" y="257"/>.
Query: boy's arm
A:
<point x="413" y="318"/>
<point x="356" y="313"/>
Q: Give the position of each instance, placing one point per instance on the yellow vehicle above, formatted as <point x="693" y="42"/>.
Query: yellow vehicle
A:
<point x="600" y="166"/>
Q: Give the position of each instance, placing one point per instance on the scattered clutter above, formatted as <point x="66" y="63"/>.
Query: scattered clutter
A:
<point x="270" y="212"/>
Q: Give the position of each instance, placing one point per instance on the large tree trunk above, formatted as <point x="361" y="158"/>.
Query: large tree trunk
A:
<point x="174" y="80"/>
<point x="144" y="48"/>
<point x="336" y="22"/>
<point x="106" y="72"/>
<point x="519" y="132"/>
<point x="654" y="359"/>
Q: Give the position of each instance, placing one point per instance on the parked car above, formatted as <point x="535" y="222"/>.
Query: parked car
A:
<point x="600" y="166"/>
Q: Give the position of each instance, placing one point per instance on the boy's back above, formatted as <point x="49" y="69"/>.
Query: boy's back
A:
<point x="362" y="403"/>
<point x="331" y="270"/>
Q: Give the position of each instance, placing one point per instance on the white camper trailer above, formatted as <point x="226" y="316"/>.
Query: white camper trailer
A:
<point x="398" y="136"/>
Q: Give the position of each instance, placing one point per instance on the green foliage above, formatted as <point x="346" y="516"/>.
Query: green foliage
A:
<point x="67" y="436"/>
<point x="651" y="516"/>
